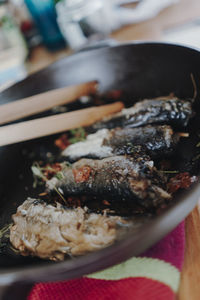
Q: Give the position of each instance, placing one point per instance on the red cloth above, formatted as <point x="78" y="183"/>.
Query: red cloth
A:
<point x="169" y="251"/>
<point x="94" y="289"/>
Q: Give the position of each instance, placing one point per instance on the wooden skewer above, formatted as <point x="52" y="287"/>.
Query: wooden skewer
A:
<point x="28" y="130"/>
<point x="44" y="101"/>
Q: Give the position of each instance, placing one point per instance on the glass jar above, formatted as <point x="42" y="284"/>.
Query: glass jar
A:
<point x="44" y="15"/>
<point x="80" y="19"/>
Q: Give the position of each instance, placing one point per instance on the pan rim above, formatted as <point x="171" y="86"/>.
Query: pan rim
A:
<point x="46" y="272"/>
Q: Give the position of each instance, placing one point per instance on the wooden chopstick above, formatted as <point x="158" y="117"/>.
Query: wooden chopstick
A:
<point x="44" y="101"/>
<point x="28" y="130"/>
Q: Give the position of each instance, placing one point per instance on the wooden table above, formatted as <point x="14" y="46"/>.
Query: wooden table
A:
<point x="190" y="277"/>
<point x="181" y="13"/>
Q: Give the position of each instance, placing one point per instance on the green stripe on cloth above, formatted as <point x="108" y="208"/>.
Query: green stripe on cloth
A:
<point x="142" y="267"/>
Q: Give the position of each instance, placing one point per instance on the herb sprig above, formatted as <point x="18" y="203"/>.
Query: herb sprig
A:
<point x="4" y="235"/>
<point x="40" y="178"/>
<point x="78" y="135"/>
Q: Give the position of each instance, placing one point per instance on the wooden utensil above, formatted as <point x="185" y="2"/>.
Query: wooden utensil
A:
<point x="44" y="101"/>
<point x="58" y="123"/>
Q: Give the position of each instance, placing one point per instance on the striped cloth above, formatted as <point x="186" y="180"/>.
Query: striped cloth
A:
<point x="155" y="275"/>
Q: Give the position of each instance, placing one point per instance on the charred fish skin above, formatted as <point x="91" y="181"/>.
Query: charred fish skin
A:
<point x="157" y="141"/>
<point x="117" y="178"/>
<point x="174" y="112"/>
<point x="51" y="232"/>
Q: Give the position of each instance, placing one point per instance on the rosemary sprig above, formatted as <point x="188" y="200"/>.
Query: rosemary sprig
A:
<point x="38" y="173"/>
<point x="78" y="135"/>
<point x="4" y="235"/>
<point x="4" y="230"/>
<point x="194" y="86"/>
<point x="61" y="196"/>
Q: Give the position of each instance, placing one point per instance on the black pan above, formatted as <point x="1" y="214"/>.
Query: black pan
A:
<point x="140" y="70"/>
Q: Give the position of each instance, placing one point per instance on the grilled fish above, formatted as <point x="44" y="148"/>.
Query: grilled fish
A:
<point x="118" y="178"/>
<point x="174" y="112"/>
<point x="51" y="232"/>
<point x="156" y="140"/>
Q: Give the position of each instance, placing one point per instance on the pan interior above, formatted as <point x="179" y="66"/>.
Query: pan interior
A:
<point x="140" y="71"/>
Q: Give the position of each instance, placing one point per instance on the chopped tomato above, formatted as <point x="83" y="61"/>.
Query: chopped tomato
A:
<point x="51" y="170"/>
<point x="180" y="181"/>
<point x="62" y="142"/>
<point x="105" y="202"/>
<point x="114" y="94"/>
<point x="82" y="174"/>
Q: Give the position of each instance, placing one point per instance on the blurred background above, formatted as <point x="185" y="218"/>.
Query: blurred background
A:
<point x="35" y="33"/>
